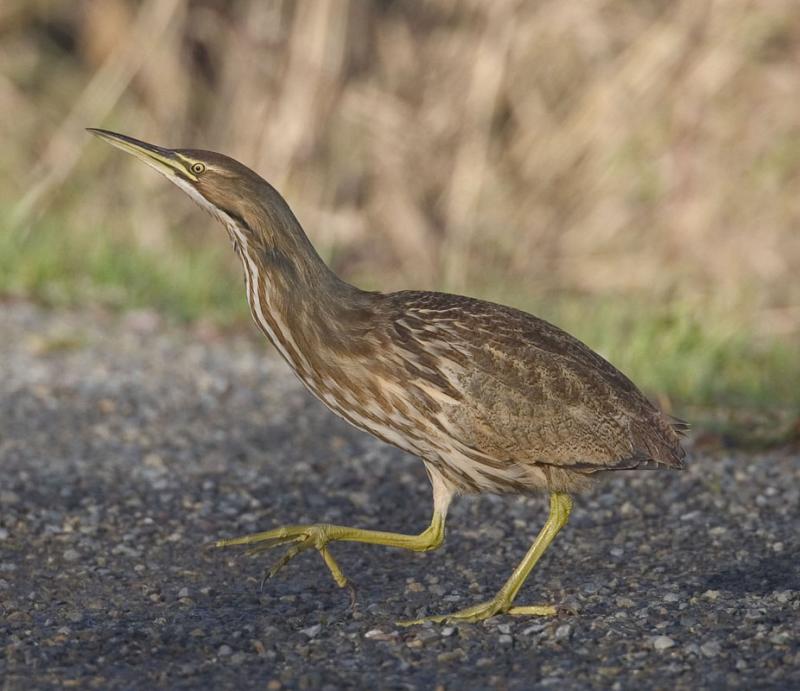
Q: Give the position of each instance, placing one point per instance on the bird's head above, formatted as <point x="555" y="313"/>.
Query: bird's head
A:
<point x="247" y="205"/>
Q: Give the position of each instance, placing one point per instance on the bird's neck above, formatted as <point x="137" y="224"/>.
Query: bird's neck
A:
<point x="300" y="304"/>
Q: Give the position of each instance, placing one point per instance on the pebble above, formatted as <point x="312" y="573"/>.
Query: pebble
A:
<point x="450" y="656"/>
<point x="311" y="631"/>
<point x="375" y="634"/>
<point x="780" y="638"/>
<point x="534" y="629"/>
<point x="662" y="642"/>
<point x="9" y="498"/>
<point x="711" y="648"/>
<point x="71" y="555"/>
<point x="126" y="551"/>
<point x="428" y="634"/>
<point x="692" y="649"/>
<point x="563" y="632"/>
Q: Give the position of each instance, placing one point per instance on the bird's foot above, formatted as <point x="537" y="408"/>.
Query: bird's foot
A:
<point x="484" y="610"/>
<point x="299" y="537"/>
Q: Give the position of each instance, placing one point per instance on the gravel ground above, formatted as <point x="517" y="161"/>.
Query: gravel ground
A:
<point x="126" y="445"/>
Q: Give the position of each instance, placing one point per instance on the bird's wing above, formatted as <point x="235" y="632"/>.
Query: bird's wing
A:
<point x="531" y="393"/>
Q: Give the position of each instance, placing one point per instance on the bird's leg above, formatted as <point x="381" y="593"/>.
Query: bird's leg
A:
<point x="318" y="535"/>
<point x="560" y="507"/>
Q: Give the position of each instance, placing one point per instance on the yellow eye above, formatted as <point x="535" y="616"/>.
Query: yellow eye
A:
<point x="198" y="168"/>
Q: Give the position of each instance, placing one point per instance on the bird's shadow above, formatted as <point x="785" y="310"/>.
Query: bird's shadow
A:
<point x="761" y="576"/>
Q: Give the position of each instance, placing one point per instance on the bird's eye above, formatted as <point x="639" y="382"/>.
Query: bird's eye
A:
<point x="198" y="168"/>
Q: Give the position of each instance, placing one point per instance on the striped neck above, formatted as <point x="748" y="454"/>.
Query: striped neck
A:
<point x="296" y="300"/>
<point x="299" y="303"/>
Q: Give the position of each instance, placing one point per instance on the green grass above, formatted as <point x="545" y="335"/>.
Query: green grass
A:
<point x="74" y="268"/>
<point x="694" y="355"/>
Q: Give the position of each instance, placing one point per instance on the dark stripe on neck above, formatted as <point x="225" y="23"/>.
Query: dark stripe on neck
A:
<point x="238" y="220"/>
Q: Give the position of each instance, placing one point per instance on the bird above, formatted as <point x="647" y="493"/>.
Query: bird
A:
<point x="490" y="398"/>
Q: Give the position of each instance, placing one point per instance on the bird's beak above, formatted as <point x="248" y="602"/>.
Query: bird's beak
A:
<point x="165" y="161"/>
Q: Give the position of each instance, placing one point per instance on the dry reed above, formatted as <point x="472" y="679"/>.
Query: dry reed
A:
<point x="605" y="146"/>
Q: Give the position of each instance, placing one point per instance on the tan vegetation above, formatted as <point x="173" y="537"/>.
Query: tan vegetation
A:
<point x="609" y="147"/>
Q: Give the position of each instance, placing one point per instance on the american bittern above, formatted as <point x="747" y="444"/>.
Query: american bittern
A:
<point x="490" y="398"/>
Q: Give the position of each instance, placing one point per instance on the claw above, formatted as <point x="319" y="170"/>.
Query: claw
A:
<point x="263" y="581"/>
<point x="273" y="571"/>
<point x="353" y="596"/>
<point x="290" y="554"/>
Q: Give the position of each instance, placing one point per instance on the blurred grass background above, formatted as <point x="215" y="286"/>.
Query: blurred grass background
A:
<point x="629" y="169"/>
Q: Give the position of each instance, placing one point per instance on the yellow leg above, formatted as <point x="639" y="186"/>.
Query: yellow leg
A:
<point x="560" y="507"/>
<point x="318" y="535"/>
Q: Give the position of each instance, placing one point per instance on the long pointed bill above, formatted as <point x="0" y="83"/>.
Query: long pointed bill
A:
<point x="165" y="161"/>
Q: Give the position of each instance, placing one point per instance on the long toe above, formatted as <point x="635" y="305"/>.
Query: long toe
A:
<point x="274" y="537"/>
<point x="485" y="610"/>
<point x="535" y="611"/>
<point x="299" y="538"/>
